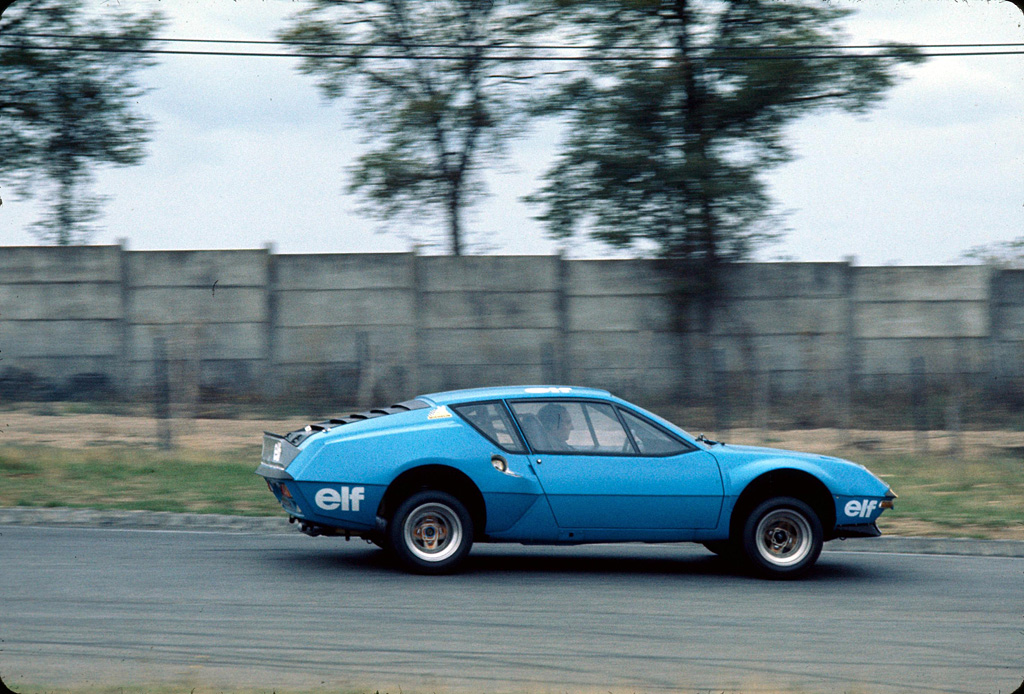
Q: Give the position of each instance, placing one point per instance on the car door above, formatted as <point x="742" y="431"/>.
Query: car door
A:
<point x="602" y="466"/>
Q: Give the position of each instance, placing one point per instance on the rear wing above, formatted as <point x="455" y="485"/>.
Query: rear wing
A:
<point x="277" y="454"/>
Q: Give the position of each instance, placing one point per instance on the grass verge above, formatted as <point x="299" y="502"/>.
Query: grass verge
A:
<point x="981" y="498"/>
<point x="135" y="479"/>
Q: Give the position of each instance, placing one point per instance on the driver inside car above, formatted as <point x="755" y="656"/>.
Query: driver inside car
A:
<point x="557" y="424"/>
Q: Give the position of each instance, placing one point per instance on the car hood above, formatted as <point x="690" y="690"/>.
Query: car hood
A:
<point x="728" y="450"/>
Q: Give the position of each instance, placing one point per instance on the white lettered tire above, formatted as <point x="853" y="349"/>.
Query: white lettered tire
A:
<point x="431" y="532"/>
<point x="782" y="538"/>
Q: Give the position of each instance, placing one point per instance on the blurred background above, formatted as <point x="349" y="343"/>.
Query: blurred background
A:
<point x="756" y="219"/>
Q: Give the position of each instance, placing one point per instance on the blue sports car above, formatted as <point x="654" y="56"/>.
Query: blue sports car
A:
<point x="428" y="477"/>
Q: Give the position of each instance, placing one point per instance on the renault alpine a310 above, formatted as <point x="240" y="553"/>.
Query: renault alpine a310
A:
<point x="428" y="477"/>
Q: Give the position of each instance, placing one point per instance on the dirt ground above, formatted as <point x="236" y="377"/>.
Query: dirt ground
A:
<point x="90" y="430"/>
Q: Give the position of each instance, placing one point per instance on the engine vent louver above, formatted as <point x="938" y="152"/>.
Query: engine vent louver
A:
<point x="299" y="435"/>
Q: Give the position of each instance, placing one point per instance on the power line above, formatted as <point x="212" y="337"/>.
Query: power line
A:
<point x="508" y="58"/>
<point x="510" y="46"/>
<point x="496" y="52"/>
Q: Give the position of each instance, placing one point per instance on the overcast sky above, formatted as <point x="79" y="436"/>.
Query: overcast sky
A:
<point x="246" y="153"/>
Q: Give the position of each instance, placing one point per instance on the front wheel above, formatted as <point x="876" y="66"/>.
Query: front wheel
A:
<point x="431" y="532"/>
<point x="782" y="538"/>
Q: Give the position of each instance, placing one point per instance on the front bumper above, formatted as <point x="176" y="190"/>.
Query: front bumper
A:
<point x="859" y="530"/>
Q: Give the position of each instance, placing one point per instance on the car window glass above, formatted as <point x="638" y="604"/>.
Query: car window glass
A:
<point x="493" y="422"/>
<point x="650" y="439"/>
<point x="571" y="427"/>
<point x="607" y="430"/>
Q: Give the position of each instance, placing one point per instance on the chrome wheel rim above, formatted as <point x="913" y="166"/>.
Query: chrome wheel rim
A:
<point x="432" y="532"/>
<point x="783" y="537"/>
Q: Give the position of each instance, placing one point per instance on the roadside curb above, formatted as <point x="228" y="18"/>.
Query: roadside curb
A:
<point x="209" y="522"/>
<point x="143" y="520"/>
<point x="930" y="545"/>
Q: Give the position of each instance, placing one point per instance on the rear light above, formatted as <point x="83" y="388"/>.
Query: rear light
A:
<point x="284" y="491"/>
<point x="889" y="501"/>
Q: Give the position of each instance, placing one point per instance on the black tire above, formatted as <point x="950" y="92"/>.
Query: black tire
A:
<point x="782" y="538"/>
<point x="431" y="532"/>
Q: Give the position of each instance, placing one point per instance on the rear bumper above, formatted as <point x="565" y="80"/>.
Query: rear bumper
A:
<point x="273" y="472"/>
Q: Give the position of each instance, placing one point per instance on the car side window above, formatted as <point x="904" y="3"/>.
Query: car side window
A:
<point x="491" y="419"/>
<point x="650" y="439"/>
<point x="572" y="427"/>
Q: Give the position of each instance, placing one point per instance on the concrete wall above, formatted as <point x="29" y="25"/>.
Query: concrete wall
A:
<point x="940" y="314"/>
<point x="211" y="309"/>
<point x="343" y="326"/>
<point x="486" y="319"/>
<point x="788" y="326"/>
<point x="62" y="310"/>
<point x="1006" y="333"/>
<point x="376" y="328"/>
<point x="620" y="329"/>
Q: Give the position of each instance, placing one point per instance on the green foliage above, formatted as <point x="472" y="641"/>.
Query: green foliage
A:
<point x="1003" y="254"/>
<point x="62" y="112"/>
<point x="680" y="113"/>
<point x="429" y="122"/>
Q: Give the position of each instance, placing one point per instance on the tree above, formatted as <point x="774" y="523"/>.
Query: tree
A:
<point x="434" y="90"/>
<point x="681" y="110"/>
<point x="1004" y="254"/>
<point x="67" y="104"/>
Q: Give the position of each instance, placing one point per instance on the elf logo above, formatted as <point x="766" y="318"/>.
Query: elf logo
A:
<point x="330" y="499"/>
<point x="860" y="509"/>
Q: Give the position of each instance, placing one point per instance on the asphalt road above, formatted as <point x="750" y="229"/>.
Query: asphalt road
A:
<point x="86" y="607"/>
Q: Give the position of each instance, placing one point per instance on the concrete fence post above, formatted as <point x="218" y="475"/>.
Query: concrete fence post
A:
<point x="849" y="376"/>
<point x="722" y="389"/>
<point x="561" y="371"/>
<point x="919" y="403"/>
<point x="271" y="377"/>
<point x="954" y="416"/>
<point x="123" y="370"/>
<point x="419" y="308"/>
<point x="365" y="368"/>
<point x="162" y="393"/>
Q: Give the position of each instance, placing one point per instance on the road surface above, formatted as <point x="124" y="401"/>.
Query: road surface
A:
<point x="89" y="607"/>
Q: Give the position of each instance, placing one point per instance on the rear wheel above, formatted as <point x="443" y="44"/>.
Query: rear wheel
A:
<point x="431" y="532"/>
<point x="782" y="538"/>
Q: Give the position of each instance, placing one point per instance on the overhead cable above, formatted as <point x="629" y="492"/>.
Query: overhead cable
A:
<point x="497" y="52"/>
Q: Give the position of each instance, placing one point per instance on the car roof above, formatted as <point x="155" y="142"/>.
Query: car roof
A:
<point x="452" y="397"/>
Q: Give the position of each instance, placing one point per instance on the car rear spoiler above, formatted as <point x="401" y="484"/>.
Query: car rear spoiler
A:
<point x="278" y="452"/>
